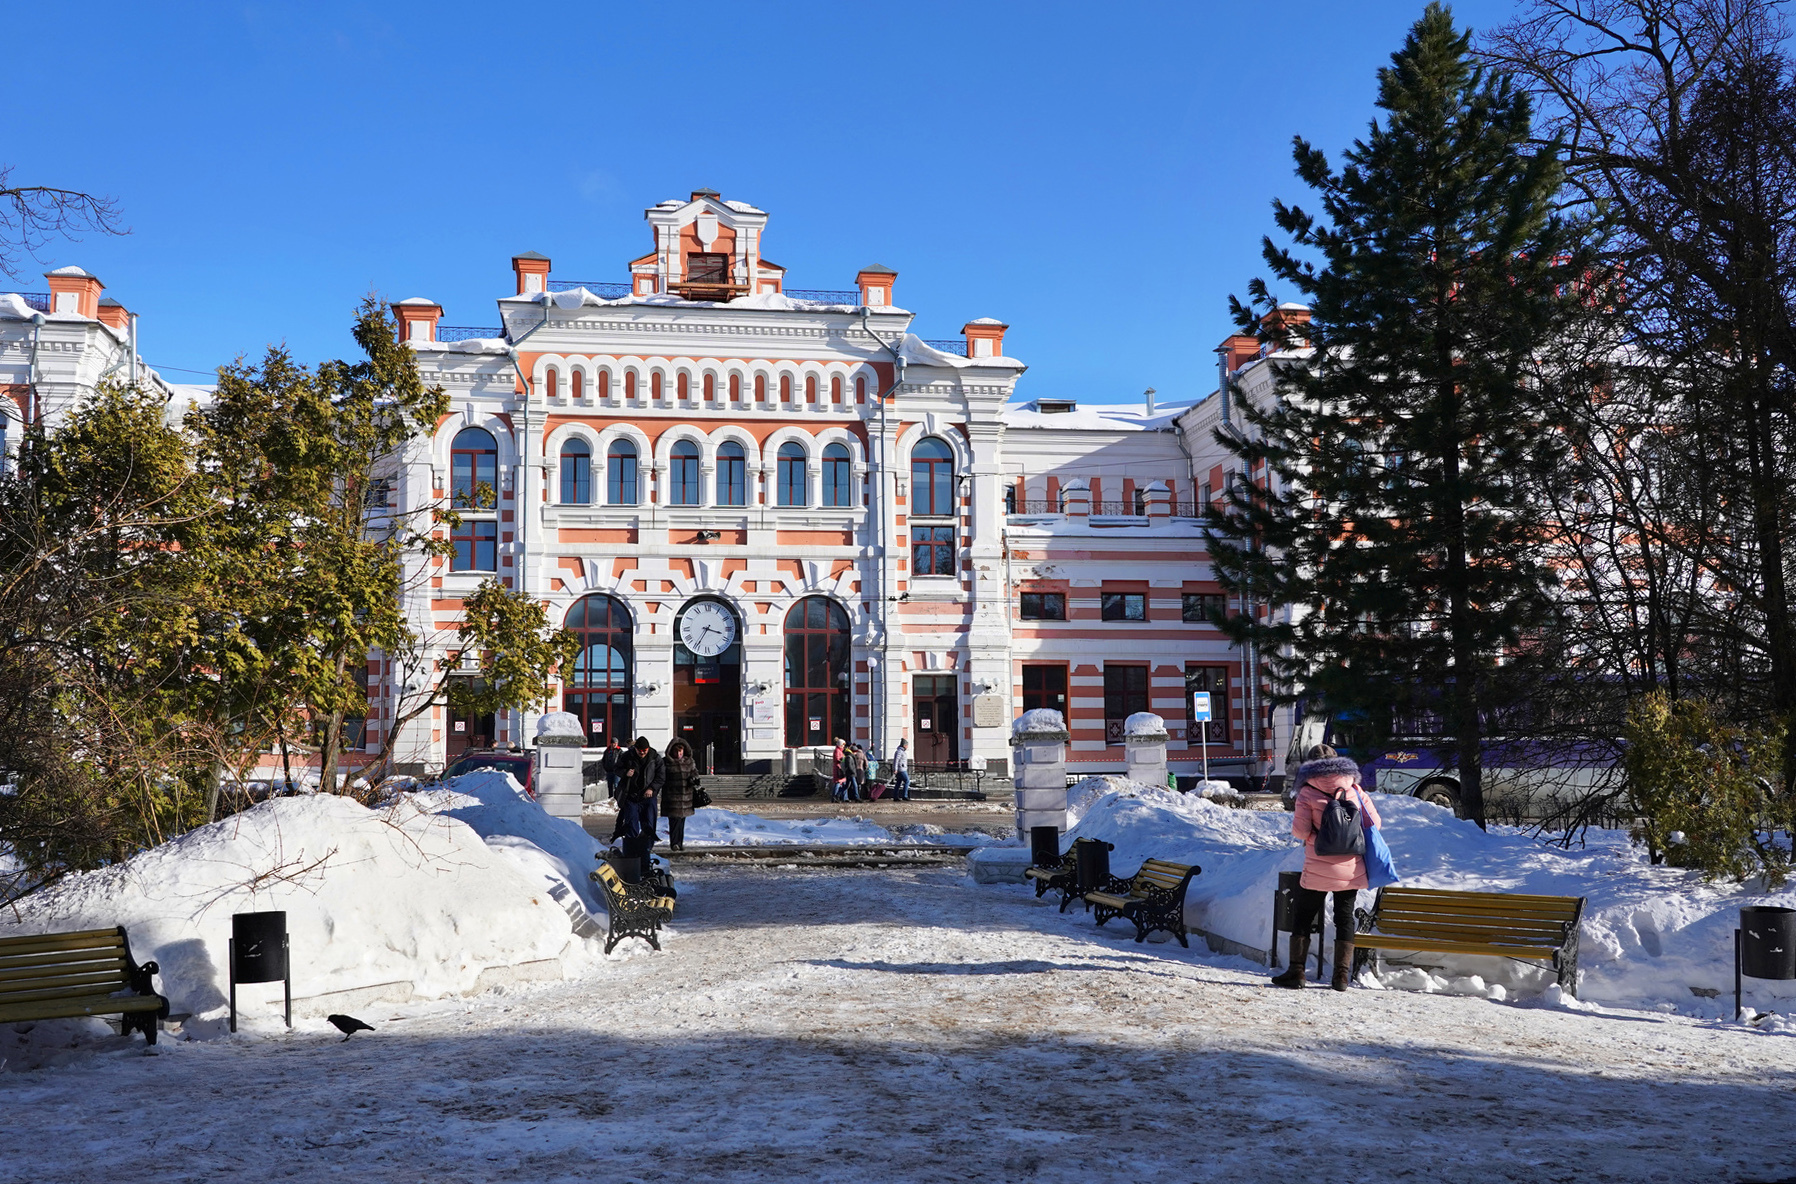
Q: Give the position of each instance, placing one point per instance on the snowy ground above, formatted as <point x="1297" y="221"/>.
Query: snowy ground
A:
<point x="906" y="1025"/>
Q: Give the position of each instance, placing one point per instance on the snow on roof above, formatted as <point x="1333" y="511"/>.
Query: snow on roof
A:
<point x="418" y="300"/>
<point x="574" y="298"/>
<point x="742" y="207"/>
<point x="473" y="345"/>
<point x="14" y="308"/>
<point x="1097" y="417"/>
<point x="71" y="269"/>
<point x="916" y="350"/>
<point x="987" y="321"/>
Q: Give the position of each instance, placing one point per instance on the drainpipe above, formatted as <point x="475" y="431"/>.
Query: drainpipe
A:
<point x="519" y="516"/>
<point x="883" y="507"/>
<point x="37" y="327"/>
<point x="131" y="348"/>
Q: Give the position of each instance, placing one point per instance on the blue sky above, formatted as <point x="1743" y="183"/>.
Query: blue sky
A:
<point x="1098" y="176"/>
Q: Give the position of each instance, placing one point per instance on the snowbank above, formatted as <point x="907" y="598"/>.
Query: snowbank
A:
<point x="1650" y="934"/>
<point x="406" y="901"/>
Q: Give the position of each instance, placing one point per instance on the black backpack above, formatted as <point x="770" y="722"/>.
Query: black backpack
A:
<point x="1340" y="832"/>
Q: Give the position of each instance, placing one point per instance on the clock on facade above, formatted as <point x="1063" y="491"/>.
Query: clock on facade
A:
<point x="707" y="628"/>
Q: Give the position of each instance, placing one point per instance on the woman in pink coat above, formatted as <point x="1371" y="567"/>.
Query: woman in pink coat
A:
<point x="1325" y="775"/>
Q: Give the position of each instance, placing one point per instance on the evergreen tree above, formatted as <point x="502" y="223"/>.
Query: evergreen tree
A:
<point x="1386" y="510"/>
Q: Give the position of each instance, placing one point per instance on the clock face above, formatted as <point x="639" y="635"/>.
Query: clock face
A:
<point x="707" y="628"/>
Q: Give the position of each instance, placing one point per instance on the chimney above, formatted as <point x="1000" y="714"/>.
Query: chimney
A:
<point x="875" y="283"/>
<point x="73" y="290"/>
<point x="985" y="337"/>
<point x="1147" y="398"/>
<point x="1283" y="326"/>
<point x="417" y="318"/>
<point x="532" y="271"/>
<point x="114" y="315"/>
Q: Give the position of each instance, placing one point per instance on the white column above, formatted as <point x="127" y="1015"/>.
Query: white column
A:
<point x="1144" y="736"/>
<point x="1038" y="741"/>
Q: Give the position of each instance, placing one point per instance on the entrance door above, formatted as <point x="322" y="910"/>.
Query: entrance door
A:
<point x="707" y="688"/>
<point x="935" y="708"/>
<point x="467" y="731"/>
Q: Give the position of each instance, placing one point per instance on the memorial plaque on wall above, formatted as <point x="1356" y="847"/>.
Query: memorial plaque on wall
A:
<point x="988" y="711"/>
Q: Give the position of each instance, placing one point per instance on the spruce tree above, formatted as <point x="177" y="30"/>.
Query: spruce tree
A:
<point x="1386" y="516"/>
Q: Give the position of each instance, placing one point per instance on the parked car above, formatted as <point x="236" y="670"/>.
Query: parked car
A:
<point x="521" y="765"/>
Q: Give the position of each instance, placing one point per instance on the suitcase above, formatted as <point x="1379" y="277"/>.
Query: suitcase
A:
<point x="878" y="790"/>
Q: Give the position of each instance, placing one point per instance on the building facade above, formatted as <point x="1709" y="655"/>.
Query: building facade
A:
<point x="776" y="516"/>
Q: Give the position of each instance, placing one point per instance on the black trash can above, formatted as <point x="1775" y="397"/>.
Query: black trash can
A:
<point x="1284" y="900"/>
<point x="627" y="867"/>
<point x="1094" y="864"/>
<point x="1044" y="846"/>
<point x="1768" y="942"/>
<point x="259" y="955"/>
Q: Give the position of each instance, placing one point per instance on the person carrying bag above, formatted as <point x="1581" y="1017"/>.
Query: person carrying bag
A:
<point x="1332" y="816"/>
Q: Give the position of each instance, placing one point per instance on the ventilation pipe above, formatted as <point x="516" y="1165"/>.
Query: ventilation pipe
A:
<point x="1222" y="381"/>
<point x="1147" y="398"/>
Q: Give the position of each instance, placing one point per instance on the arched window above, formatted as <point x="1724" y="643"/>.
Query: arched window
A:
<point x="817" y="708"/>
<point x="655" y="386"/>
<point x="931" y="478"/>
<point x="785" y="388"/>
<point x="860" y="388"/>
<point x="552" y="383"/>
<point x="760" y="388"/>
<point x="710" y="388"/>
<point x="576" y="473"/>
<point x="835" y="389"/>
<point x="604" y="384"/>
<point x="792" y="480"/>
<point x="838" y="476"/>
<point x="598" y="688"/>
<point x="576" y="381"/>
<point x="735" y="388"/>
<point x="732" y="475"/>
<point x="630" y="384"/>
<point x="682" y="475"/>
<point x="683" y="386"/>
<point x="473" y="469"/>
<point x="810" y="388"/>
<point x="620" y="474"/>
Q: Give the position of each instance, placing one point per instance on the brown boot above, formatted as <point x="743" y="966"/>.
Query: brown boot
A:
<point x="1343" y="965"/>
<point x="1300" y="953"/>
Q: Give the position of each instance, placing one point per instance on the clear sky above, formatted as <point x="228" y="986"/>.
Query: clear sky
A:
<point x="1096" y="175"/>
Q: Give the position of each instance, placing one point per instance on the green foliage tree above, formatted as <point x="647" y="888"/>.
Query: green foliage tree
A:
<point x="1702" y="788"/>
<point x="518" y="652"/>
<point x="1386" y="508"/>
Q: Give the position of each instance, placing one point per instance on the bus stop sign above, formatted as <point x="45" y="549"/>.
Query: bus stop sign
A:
<point x="1200" y="707"/>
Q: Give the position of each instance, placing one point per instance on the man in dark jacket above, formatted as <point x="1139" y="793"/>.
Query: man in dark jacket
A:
<point x="641" y="788"/>
<point x="610" y="763"/>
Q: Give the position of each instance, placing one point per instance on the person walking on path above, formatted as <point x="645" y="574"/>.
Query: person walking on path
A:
<point x="609" y="763"/>
<point x="644" y="775"/>
<point x="1323" y="777"/>
<point x="679" y="778"/>
<point x="857" y="773"/>
<point x="901" y="770"/>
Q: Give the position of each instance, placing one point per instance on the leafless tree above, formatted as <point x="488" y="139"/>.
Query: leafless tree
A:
<point x="32" y="215"/>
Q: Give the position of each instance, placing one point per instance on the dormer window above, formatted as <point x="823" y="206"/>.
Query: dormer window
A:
<point x="707" y="268"/>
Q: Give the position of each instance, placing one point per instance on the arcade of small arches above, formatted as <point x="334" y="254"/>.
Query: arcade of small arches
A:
<point x="657" y="380"/>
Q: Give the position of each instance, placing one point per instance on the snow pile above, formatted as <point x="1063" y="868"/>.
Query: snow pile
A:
<point x="14" y="308"/>
<point x="1144" y="723"/>
<point x="406" y="901"/>
<point x="554" y="854"/>
<point x="560" y="723"/>
<point x="1037" y="721"/>
<point x="714" y="827"/>
<point x="1649" y="935"/>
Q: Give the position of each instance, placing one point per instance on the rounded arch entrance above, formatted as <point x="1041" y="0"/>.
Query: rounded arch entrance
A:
<point x="599" y="688"/>
<point x="817" y="645"/>
<point x="707" y="682"/>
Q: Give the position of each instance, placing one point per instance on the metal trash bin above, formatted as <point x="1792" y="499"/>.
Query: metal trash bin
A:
<point x="1764" y="946"/>
<point x="1284" y="908"/>
<point x="1094" y="864"/>
<point x="627" y="867"/>
<point x="258" y="954"/>
<point x="1044" y="846"/>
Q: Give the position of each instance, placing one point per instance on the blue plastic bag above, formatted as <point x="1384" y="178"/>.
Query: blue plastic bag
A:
<point x="1381" y="869"/>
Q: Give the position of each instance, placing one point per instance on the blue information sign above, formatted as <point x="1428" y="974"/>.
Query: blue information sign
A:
<point x="1200" y="707"/>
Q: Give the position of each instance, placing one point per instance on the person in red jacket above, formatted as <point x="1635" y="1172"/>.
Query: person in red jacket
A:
<point x="1325" y="775"/>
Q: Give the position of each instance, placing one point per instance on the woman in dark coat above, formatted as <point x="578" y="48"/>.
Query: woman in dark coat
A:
<point x="679" y="779"/>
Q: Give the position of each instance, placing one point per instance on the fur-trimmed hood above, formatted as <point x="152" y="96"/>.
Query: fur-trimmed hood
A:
<point x="1329" y="766"/>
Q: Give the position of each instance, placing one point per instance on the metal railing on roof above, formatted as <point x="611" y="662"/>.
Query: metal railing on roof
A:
<point x="37" y="300"/>
<point x="1119" y="509"/>
<point x="606" y="291"/>
<point x="1037" y="508"/>
<point x="824" y="295"/>
<point x="467" y="332"/>
<point x="948" y="345"/>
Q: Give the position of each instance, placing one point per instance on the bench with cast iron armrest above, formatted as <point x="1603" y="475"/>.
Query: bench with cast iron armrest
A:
<point x="1153" y="898"/>
<point x="636" y="910"/>
<point x="1498" y="924"/>
<point x="61" y="975"/>
<point x="1062" y="877"/>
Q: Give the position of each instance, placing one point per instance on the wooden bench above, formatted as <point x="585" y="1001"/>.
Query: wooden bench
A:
<point x="636" y="910"/>
<point x="1062" y="877"/>
<point x="1153" y="898"/>
<point x="1497" y="924"/>
<point x="60" y="975"/>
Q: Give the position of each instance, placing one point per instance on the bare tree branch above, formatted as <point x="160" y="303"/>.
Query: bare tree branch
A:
<point x="32" y="215"/>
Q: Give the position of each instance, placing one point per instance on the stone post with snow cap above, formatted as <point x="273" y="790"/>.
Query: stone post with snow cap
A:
<point x="1039" y="769"/>
<point x="558" y="783"/>
<point x="1144" y="736"/>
